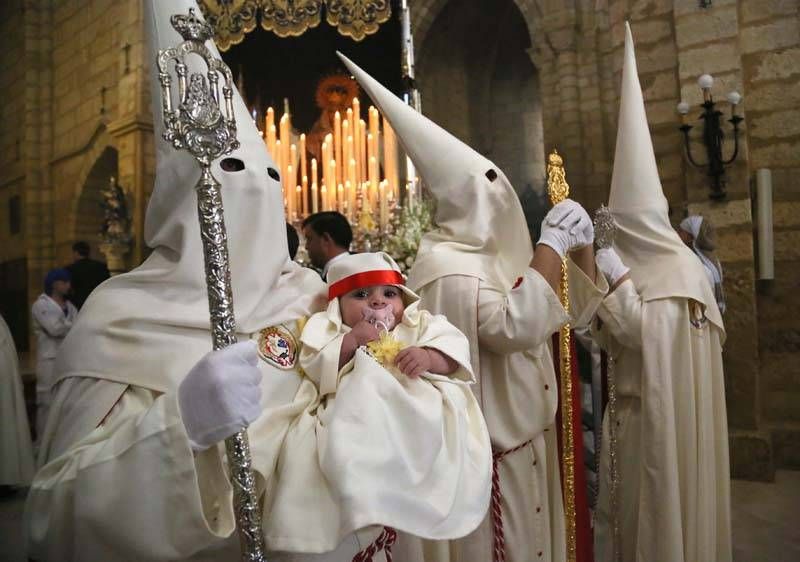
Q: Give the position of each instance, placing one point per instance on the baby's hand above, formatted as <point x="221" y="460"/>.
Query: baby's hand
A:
<point x="413" y="361"/>
<point x="364" y="332"/>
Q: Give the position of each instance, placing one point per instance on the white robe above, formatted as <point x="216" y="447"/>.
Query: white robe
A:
<point x="510" y="339"/>
<point x="142" y="446"/>
<point x="95" y="479"/>
<point x="672" y="436"/>
<point x="16" y="452"/>
<point x="51" y="326"/>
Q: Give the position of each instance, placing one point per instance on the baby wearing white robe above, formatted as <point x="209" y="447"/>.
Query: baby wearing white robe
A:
<point x="385" y="441"/>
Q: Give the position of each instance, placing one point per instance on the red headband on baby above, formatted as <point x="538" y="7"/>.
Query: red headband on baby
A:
<point x="365" y="279"/>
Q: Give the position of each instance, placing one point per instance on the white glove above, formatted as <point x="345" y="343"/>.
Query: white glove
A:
<point x="609" y="262"/>
<point x="567" y="227"/>
<point x="221" y="394"/>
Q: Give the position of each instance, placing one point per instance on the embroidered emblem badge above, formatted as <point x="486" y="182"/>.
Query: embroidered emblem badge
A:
<point x="278" y="347"/>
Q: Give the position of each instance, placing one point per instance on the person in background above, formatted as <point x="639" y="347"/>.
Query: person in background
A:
<point x="16" y="452"/>
<point x="699" y="234"/>
<point x="293" y="241"/>
<point x="86" y="273"/>
<point x="53" y="316"/>
<point x="328" y="237"/>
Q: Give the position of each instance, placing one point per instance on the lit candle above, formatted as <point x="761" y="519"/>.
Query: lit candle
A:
<point x="290" y="195"/>
<point x="362" y="150"/>
<point x="345" y="156"/>
<point x="303" y="161"/>
<point x="337" y="144"/>
<point x="373" y="182"/>
<point x="390" y="158"/>
<point x="314" y="193"/>
<point x="374" y="122"/>
<point x="370" y="149"/>
<point x="304" y="195"/>
<point x="298" y="200"/>
<point x="384" y="207"/>
<point x="271" y="143"/>
<point x="324" y="196"/>
<point x="340" y="199"/>
<point x="326" y="181"/>
<point x="332" y="192"/>
<point x="350" y="193"/>
<point x="293" y="161"/>
<point x="279" y="162"/>
<point x="351" y="172"/>
<point x="354" y="120"/>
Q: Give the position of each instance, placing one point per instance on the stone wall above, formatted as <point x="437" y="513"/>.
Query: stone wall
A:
<point x="73" y="89"/>
<point x="748" y="46"/>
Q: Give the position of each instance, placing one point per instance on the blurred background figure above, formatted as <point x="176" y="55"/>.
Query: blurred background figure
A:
<point x="699" y="234"/>
<point x="16" y="452"/>
<point x="85" y="272"/>
<point x="53" y="316"/>
<point x="328" y="237"/>
<point x="293" y="240"/>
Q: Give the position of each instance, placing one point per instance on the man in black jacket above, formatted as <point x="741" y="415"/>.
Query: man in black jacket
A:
<point x="86" y="273"/>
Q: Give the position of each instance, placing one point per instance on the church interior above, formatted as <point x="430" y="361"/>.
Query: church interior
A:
<point x="515" y="80"/>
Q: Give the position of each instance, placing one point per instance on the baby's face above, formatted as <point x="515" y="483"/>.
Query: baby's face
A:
<point x="372" y="303"/>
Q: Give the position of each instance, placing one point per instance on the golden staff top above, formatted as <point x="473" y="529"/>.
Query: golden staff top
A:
<point x="203" y="123"/>
<point x="558" y="190"/>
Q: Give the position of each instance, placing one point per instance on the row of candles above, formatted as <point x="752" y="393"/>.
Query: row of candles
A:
<point x="349" y="170"/>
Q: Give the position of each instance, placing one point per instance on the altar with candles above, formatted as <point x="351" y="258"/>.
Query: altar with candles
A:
<point x="333" y="151"/>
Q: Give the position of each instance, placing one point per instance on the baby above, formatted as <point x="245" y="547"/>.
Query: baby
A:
<point x="384" y="430"/>
<point x="366" y="311"/>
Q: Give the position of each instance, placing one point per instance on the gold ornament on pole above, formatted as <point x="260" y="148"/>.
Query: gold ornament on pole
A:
<point x="558" y="190"/>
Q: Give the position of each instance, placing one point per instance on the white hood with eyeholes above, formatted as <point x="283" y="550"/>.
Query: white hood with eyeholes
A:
<point x="148" y="327"/>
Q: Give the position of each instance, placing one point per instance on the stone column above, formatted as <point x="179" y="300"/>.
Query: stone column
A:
<point x="132" y="130"/>
<point x="707" y="43"/>
<point x="37" y="146"/>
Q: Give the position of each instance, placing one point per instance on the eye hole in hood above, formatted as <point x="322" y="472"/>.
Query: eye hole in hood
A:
<point x="273" y="173"/>
<point x="231" y="165"/>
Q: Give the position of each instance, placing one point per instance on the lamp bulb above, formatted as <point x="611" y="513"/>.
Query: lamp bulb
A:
<point x="706" y="81"/>
<point x="734" y="98"/>
<point x="683" y="108"/>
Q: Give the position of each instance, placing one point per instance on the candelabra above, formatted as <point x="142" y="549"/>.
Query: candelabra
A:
<point x="713" y="136"/>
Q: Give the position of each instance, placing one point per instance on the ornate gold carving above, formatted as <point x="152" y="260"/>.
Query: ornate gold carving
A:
<point x="230" y="19"/>
<point x="358" y="18"/>
<point x="290" y="18"/>
<point x="558" y="190"/>
<point x="233" y="19"/>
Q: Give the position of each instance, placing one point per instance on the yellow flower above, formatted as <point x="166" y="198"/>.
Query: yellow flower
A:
<point x="385" y="349"/>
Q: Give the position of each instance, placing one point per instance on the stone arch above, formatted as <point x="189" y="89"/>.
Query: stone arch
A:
<point x="486" y="92"/>
<point x="100" y="164"/>
<point x="425" y="12"/>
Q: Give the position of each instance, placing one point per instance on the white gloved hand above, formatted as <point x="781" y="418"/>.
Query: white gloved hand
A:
<point x="567" y="227"/>
<point x="572" y="217"/>
<point x="609" y="262"/>
<point x="221" y="394"/>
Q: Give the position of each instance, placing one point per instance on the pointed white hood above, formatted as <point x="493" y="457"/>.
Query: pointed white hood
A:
<point x="149" y="326"/>
<point x="480" y="227"/>
<point x="661" y="264"/>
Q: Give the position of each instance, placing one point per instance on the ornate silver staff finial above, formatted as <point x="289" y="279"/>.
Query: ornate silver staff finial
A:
<point x="197" y="123"/>
<point x="605" y="228"/>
